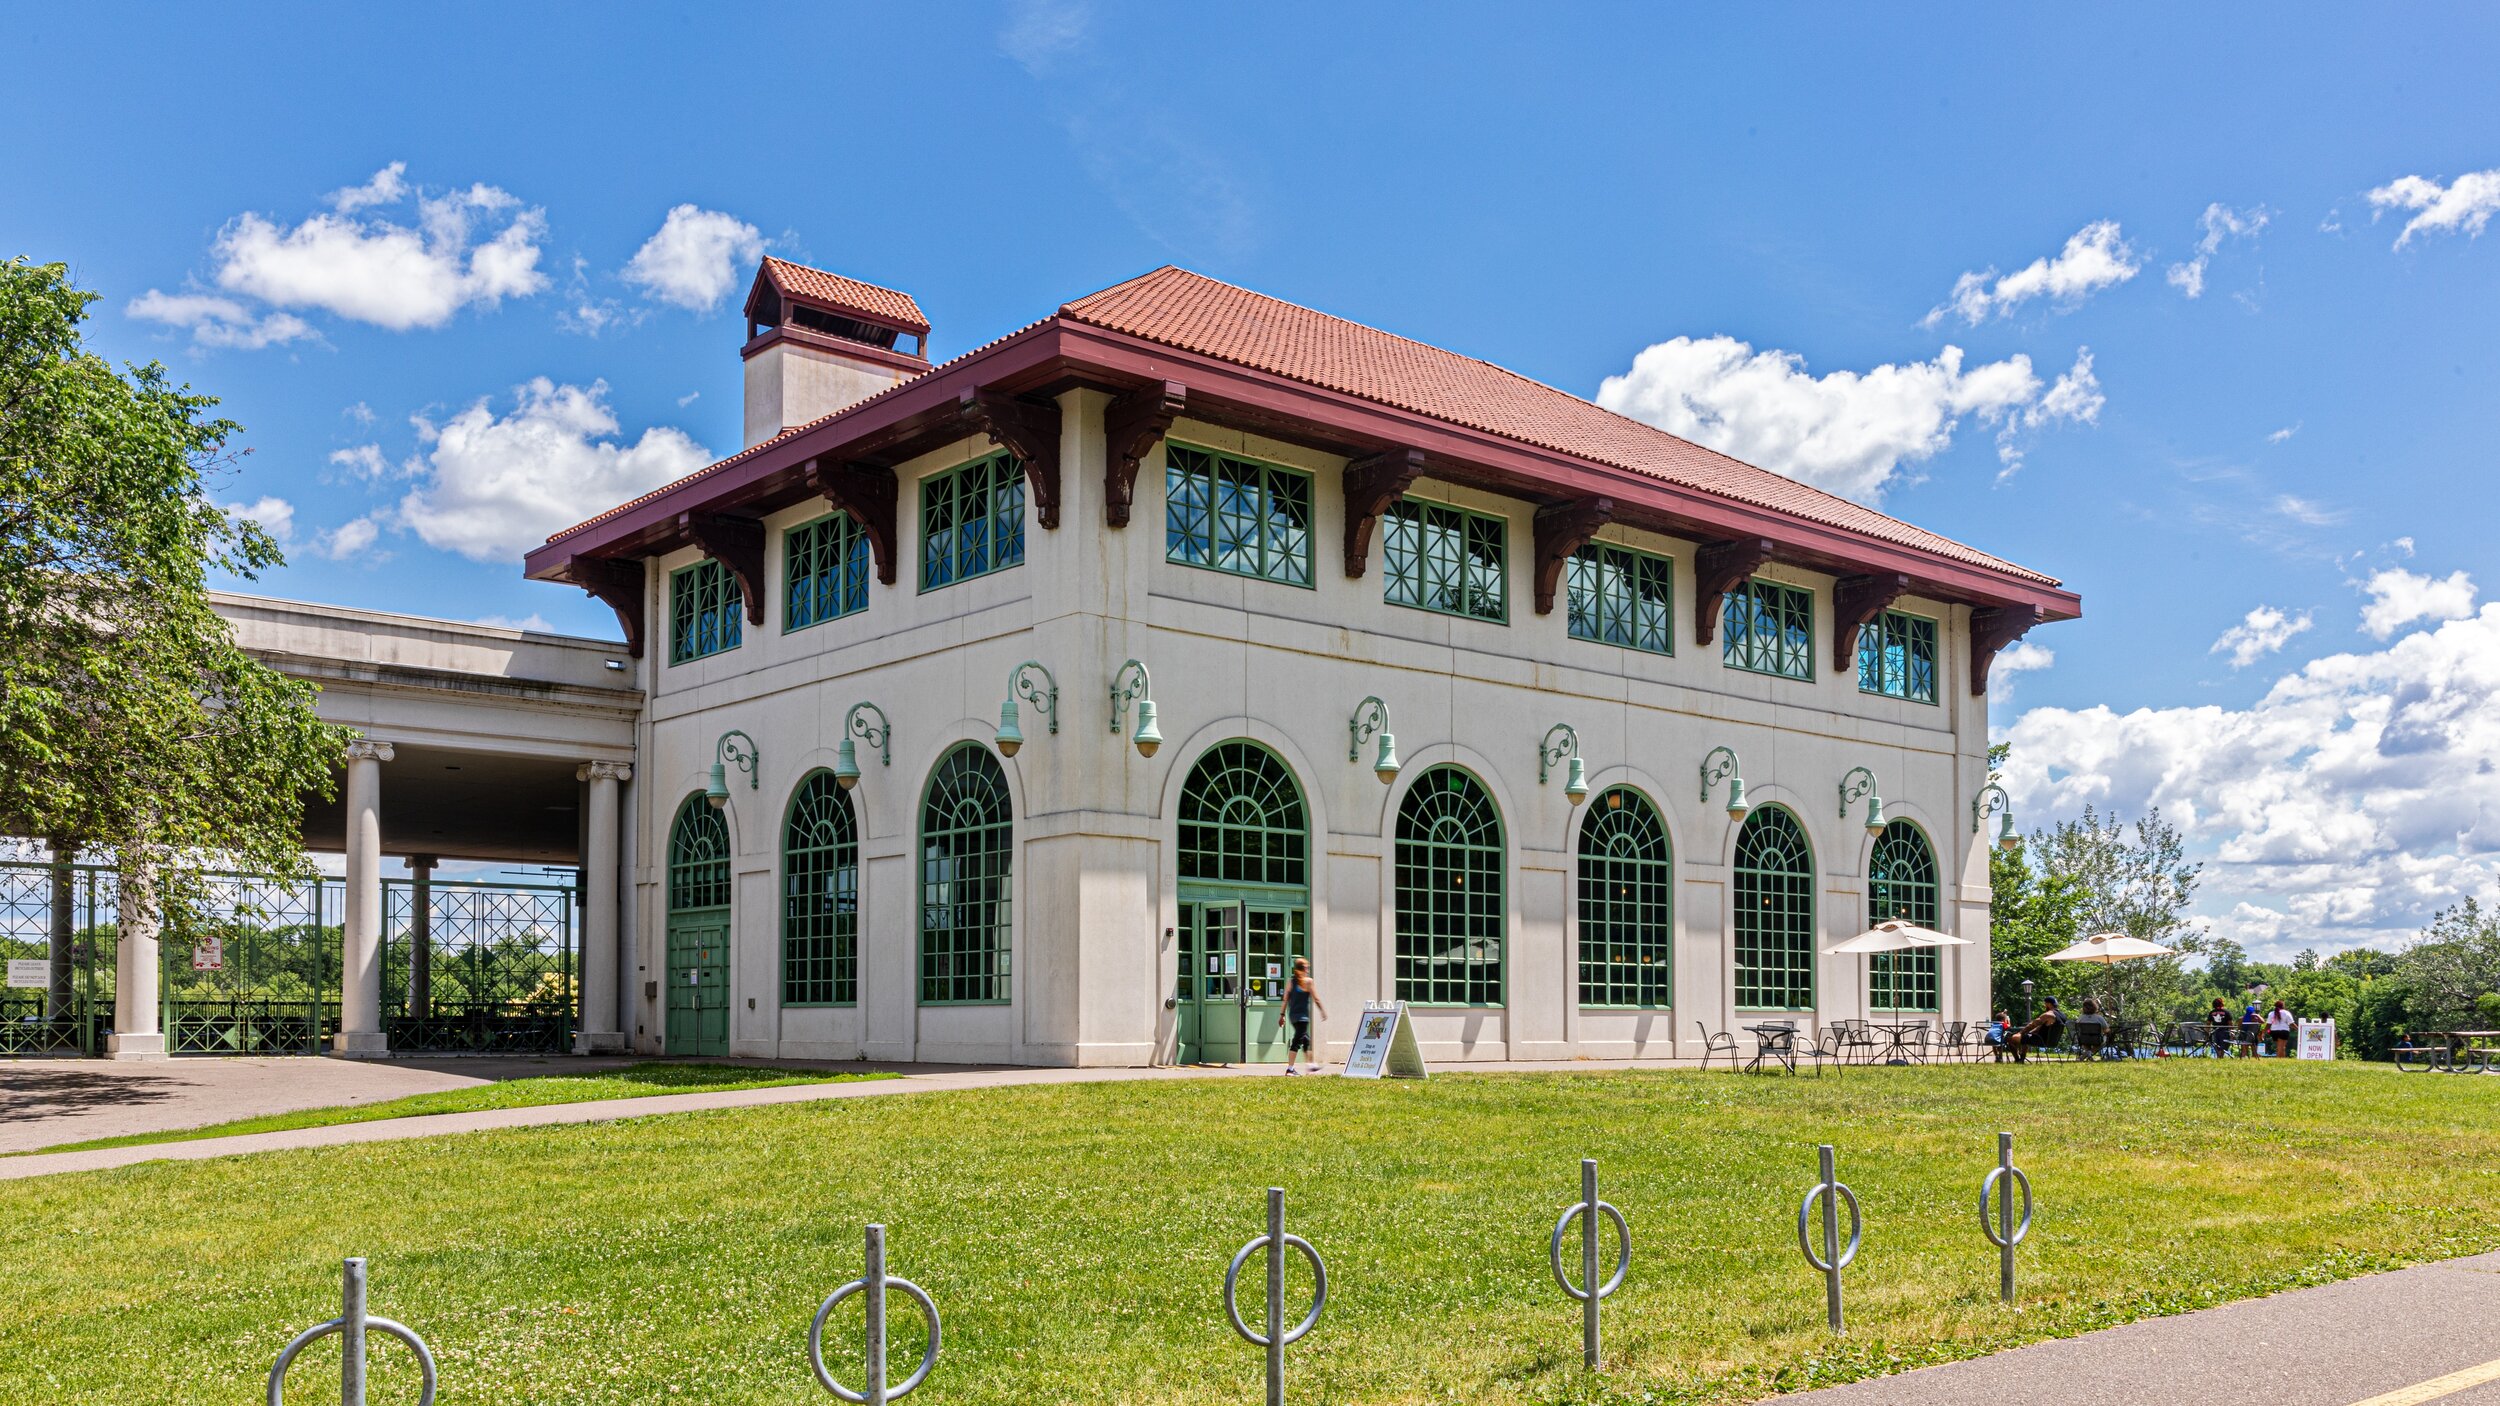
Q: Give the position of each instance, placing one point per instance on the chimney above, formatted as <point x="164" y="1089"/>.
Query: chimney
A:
<point x="817" y="342"/>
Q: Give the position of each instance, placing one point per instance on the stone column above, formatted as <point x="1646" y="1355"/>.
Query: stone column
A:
<point x="603" y="884"/>
<point x="360" y="961"/>
<point x="421" y="936"/>
<point x="135" y="974"/>
<point x="58" y="986"/>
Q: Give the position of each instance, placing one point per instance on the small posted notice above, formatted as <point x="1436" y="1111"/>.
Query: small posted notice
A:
<point x="31" y="973"/>
<point x="209" y="955"/>
<point x="1384" y="1044"/>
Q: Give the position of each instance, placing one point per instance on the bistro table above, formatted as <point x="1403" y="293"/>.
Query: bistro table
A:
<point x="1897" y="1046"/>
<point x="1775" y="1040"/>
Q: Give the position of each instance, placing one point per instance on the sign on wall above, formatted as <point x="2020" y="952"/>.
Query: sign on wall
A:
<point x="209" y="955"/>
<point x="1384" y="1044"/>
<point x="33" y="973"/>
<point x="2317" y="1039"/>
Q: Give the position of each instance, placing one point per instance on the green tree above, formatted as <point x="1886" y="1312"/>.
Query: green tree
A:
<point x="129" y="718"/>
<point x="2454" y="965"/>
<point x="2094" y="874"/>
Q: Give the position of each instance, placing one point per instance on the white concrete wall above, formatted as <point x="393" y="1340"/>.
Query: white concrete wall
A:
<point x="1096" y="900"/>
<point x="791" y="383"/>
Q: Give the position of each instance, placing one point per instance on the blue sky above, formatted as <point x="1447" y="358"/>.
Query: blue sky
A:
<point x="1759" y="218"/>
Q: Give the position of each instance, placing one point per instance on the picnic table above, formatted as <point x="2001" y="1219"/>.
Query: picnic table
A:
<point x="2449" y="1051"/>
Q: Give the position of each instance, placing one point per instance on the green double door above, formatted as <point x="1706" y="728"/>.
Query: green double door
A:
<point x="1235" y="958"/>
<point x="697" y="982"/>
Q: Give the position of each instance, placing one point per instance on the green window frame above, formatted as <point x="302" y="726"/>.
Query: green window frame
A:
<point x="698" y="857"/>
<point x="1774" y="913"/>
<point x="1222" y="512"/>
<point x="1767" y="627"/>
<point x="1451" y="561"/>
<point x="971" y="521"/>
<point x="1897" y="657"/>
<point x="1901" y="883"/>
<point x="820" y="896"/>
<point x="967" y="882"/>
<point x="825" y="571"/>
<point x="1622" y="596"/>
<point x="1242" y="820"/>
<point x="1627" y="904"/>
<point x="703" y="601"/>
<point x="1450" y="915"/>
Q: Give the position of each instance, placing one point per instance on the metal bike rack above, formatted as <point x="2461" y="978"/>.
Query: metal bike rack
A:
<point x="874" y="1282"/>
<point x="2004" y="1232"/>
<point x="1831" y="1191"/>
<point x="1586" y="1210"/>
<point x="352" y="1324"/>
<point x="1276" y="1242"/>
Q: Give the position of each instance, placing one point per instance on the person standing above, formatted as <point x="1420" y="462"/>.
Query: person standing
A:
<point x="2279" y="1029"/>
<point x="1300" y="997"/>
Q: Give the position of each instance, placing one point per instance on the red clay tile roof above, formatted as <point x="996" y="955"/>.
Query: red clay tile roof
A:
<point x="1195" y="313"/>
<point x="849" y="294"/>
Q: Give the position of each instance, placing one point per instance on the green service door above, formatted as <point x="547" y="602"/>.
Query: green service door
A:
<point x="1234" y="961"/>
<point x="698" y="982"/>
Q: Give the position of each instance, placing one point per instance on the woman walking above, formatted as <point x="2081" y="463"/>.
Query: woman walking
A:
<point x="1300" y="998"/>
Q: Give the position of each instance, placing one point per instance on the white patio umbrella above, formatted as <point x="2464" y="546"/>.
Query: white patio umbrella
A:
<point x="1894" y="936"/>
<point x="2109" y="949"/>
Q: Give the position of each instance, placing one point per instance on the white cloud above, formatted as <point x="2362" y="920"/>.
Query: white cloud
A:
<point x="371" y="269"/>
<point x="351" y="538"/>
<point x="2306" y="511"/>
<point x="2399" y="598"/>
<point x="2264" y="631"/>
<point x="696" y="258"/>
<point x="2012" y="662"/>
<point x="2283" y="434"/>
<point x="276" y="516"/>
<point x="494" y="486"/>
<point x="1847" y="432"/>
<point x="2467" y="203"/>
<point x="2219" y="222"/>
<point x="2096" y="257"/>
<point x="363" y="461"/>
<point x="2359" y="795"/>
<point x="533" y="622"/>
<point x="219" y="322"/>
<point x="360" y="412"/>
<point x="1044" y="32"/>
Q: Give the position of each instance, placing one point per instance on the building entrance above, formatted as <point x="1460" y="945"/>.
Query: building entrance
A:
<point x="698" y="982"/>
<point x="1235" y="958"/>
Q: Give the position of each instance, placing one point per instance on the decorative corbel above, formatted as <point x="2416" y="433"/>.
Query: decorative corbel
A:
<point x="1992" y="628"/>
<point x="1856" y="601"/>
<point x="1562" y="529"/>
<point x="734" y="542"/>
<point x="617" y="583"/>
<point x="1717" y="567"/>
<point x="867" y="493"/>
<point x="1131" y="426"/>
<point x="1371" y="485"/>
<point x="1027" y="430"/>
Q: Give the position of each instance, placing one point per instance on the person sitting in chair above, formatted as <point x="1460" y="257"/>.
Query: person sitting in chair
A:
<point x="2040" y="1030"/>
<point x="2091" y="1029"/>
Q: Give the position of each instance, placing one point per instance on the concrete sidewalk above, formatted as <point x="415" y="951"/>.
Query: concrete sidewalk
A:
<point x="2401" y="1339"/>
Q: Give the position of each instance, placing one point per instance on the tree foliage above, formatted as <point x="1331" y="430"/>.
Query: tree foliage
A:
<point x="129" y="718"/>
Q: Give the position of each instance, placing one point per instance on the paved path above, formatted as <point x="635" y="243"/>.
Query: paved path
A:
<point x="2420" y="1335"/>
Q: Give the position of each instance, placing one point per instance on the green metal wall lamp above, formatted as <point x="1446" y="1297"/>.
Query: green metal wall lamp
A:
<point x="1713" y="771"/>
<point x="1042" y="694"/>
<point x="727" y="753"/>
<point x="1851" y="788"/>
<point x="879" y="734"/>
<point x="1142" y="689"/>
<point x="1385" y="766"/>
<point x="2003" y="808"/>
<point x="1548" y="752"/>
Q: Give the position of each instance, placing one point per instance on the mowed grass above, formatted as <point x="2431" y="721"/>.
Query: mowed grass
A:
<point x="634" y="1081"/>
<point x="1075" y="1236"/>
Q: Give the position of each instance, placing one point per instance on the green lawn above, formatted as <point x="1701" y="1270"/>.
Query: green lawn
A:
<point x="1075" y="1235"/>
<point x="634" y="1081"/>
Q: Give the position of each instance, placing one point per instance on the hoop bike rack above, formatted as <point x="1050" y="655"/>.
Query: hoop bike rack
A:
<point x="2004" y="1231"/>
<point x="873" y="1282"/>
<point x="1835" y="1257"/>
<point x="352" y="1324"/>
<point x="1275" y="1242"/>
<point x="1586" y="1210"/>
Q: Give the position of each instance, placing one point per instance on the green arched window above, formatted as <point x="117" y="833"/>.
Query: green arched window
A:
<point x="967" y="854"/>
<point x="820" y="896"/>
<point x="1627" y="903"/>
<point x="1901" y="883"/>
<point x="1774" y="913"/>
<point x="1449" y="914"/>
<point x="1242" y="820"/>
<point x="698" y="857"/>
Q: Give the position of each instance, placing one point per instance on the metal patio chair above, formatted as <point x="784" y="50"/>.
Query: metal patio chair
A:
<point x="1949" y="1044"/>
<point x="1825" y="1049"/>
<point x="1721" y="1043"/>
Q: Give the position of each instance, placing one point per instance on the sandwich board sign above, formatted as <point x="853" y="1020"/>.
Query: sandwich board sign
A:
<point x="2317" y="1039"/>
<point x="1384" y="1044"/>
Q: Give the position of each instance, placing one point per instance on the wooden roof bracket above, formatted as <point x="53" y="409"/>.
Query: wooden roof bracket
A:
<point x="1132" y="425"/>
<point x="1856" y="601"/>
<point x="1562" y="529"/>
<point x="1027" y="430"/>
<point x="734" y="542"/>
<point x="1992" y="628"/>
<point x="615" y="582"/>
<point x="1718" y="567"/>
<point x="1371" y="485"/>
<point x="867" y="493"/>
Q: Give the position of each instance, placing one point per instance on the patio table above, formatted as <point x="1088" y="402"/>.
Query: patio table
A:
<point x="1775" y="1040"/>
<point x="1897" y="1047"/>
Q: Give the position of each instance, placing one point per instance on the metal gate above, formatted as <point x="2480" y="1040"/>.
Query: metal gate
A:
<point x="35" y="1019"/>
<point x="477" y="968"/>
<point x="254" y="969"/>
